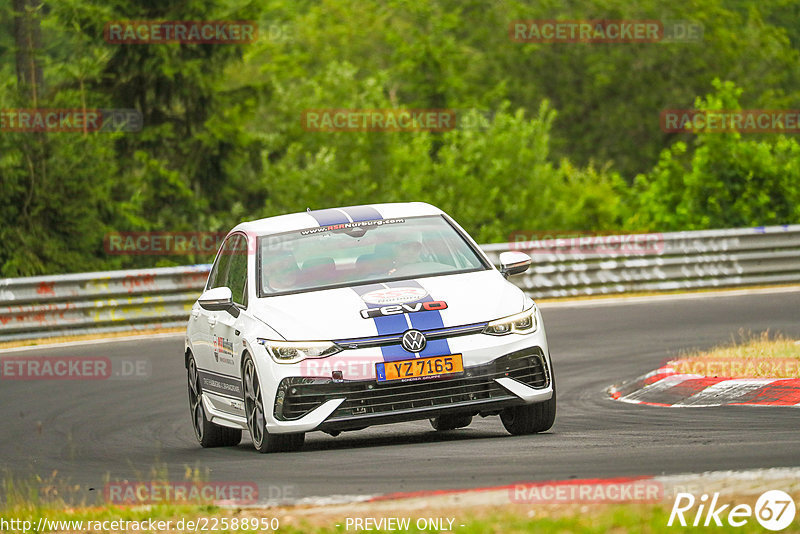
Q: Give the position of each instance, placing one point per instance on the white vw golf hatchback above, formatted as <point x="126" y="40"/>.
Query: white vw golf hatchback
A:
<point x="339" y="319"/>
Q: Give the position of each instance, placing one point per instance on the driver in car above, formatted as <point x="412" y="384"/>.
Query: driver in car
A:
<point x="407" y="253"/>
<point x="281" y="271"/>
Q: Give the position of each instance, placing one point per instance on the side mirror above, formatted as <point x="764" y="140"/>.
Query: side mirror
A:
<point x="218" y="299"/>
<point x="514" y="262"/>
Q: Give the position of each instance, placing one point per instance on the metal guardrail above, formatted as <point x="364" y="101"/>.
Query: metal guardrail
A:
<point x="670" y="261"/>
<point x="46" y="306"/>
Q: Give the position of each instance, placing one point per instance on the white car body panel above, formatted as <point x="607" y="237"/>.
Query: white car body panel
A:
<point x="218" y="341"/>
<point x="334" y="313"/>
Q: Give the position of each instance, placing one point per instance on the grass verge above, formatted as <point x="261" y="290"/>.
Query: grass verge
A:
<point x="88" y="337"/>
<point x="510" y="519"/>
<point x="749" y="356"/>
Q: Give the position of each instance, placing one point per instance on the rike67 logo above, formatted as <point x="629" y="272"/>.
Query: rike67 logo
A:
<point x="774" y="510"/>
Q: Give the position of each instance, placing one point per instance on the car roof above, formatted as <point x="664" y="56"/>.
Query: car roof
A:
<point x="325" y="217"/>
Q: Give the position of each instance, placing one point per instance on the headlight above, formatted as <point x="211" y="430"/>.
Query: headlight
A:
<point x="519" y="323"/>
<point x="293" y="352"/>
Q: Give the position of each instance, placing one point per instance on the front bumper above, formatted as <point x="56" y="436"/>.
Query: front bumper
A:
<point x="303" y="404"/>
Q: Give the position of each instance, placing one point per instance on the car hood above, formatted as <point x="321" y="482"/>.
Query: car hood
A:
<point x="336" y="313"/>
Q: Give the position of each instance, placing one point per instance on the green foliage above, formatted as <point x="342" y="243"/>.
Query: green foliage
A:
<point x="567" y="135"/>
<point x="56" y="198"/>
<point x="501" y="179"/>
<point x="727" y="181"/>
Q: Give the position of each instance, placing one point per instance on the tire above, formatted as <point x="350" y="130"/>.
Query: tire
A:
<point x="531" y="418"/>
<point x="207" y="433"/>
<point x="263" y="441"/>
<point x="450" y="422"/>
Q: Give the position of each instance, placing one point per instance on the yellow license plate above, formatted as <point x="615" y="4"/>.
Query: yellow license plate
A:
<point x="419" y="368"/>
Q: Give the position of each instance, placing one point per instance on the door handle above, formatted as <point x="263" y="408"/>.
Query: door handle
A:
<point x="212" y="321"/>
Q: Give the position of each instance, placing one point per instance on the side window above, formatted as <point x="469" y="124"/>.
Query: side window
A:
<point x="220" y="270"/>
<point x="237" y="272"/>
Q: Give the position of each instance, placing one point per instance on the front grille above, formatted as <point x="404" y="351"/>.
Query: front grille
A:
<point x="394" y="339"/>
<point x="297" y="396"/>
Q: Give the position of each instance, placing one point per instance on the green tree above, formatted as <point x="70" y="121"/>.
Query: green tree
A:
<point x="727" y="181"/>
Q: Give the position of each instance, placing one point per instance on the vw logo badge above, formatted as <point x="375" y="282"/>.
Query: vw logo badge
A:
<point x="414" y="341"/>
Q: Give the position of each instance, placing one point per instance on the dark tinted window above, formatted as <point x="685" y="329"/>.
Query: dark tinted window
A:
<point x="220" y="269"/>
<point x="360" y="252"/>
<point x="237" y="271"/>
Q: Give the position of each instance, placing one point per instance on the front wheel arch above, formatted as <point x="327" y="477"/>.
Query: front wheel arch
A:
<point x="263" y="441"/>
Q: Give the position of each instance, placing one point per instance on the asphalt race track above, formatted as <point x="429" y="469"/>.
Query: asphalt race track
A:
<point x="93" y="431"/>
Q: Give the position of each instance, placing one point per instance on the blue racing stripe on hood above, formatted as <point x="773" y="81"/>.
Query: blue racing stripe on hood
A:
<point x="426" y="320"/>
<point x="397" y="324"/>
<point x="387" y="325"/>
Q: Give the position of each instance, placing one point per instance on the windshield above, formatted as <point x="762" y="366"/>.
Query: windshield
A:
<point x="356" y="253"/>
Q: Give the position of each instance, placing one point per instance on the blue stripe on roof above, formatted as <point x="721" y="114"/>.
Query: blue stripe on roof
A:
<point x="363" y="213"/>
<point x="329" y="216"/>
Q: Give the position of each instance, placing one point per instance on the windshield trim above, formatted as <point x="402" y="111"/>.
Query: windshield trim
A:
<point x="475" y="250"/>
